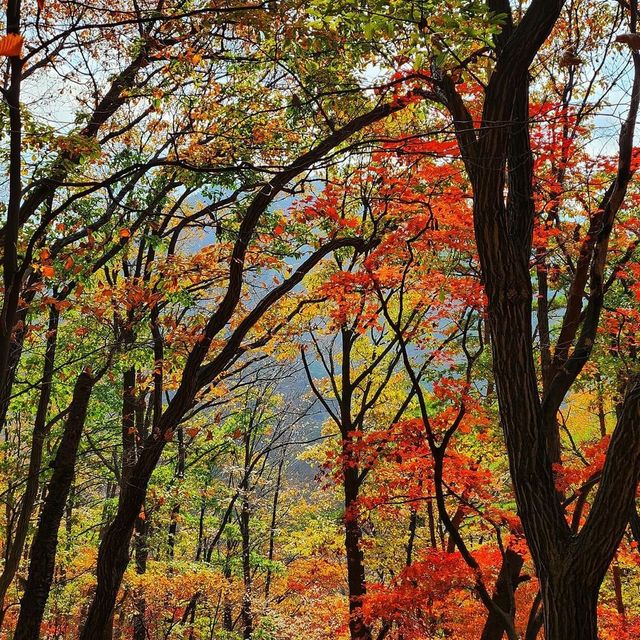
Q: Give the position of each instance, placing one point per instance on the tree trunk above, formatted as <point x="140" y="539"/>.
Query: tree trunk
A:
<point x="358" y="629"/>
<point x="45" y="542"/>
<point x="246" y="612"/>
<point x="129" y="435"/>
<point x="141" y="555"/>
<point x="272" y="530"/>
<point x="227" y="613"/>
<point x="40" y="430"/>
<point x="506" y="585"/>
<point x="175" y="511"/>
<point x="570" y="610"/>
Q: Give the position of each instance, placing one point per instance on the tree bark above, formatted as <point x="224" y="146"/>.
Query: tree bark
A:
<point x="570" y="609"/>
<point x="45" y="542"/>
<point x="358" y="628"/>
<point x="499" y="161"/>
<point x="32" y="484"/>
<point x="506" y="585"/>
<point x="246" y="608"/>
<point x="141" y="555"/>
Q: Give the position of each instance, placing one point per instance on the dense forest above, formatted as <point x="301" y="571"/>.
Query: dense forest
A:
<point x="319" y="319"/>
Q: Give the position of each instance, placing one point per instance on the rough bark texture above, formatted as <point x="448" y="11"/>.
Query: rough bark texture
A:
<point x="45" y="542"/>
<point x="32" y="484"/>
<point x="498" y="158"/>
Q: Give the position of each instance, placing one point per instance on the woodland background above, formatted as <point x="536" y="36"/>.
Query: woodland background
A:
<point x="319" y="320"/>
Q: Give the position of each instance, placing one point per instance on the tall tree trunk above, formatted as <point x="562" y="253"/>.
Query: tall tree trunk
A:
<point x="499" y="161"/>
<point x="175" y="511"/>
<point x="272" y="530"/>
<point x="141" y="555"/>
<point x="12" y="273"/>
<point x="45" y="542"/>
<point x="227" y="613"/>
<point x="356" y="580"/>
<point x="246" y="609"/>
<point x="40" y="431"/>
<point x="355" y="562"/>
<point x="141" y="530"/>
<point x="129" y="435"/>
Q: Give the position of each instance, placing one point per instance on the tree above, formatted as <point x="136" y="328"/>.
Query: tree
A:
<point x="570" y="566"/>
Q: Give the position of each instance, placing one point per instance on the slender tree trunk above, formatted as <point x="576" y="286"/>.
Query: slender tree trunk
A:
<point x="356" y="580"/>
<point x="40" y="431"/>
<point x="616" y="576"/>
<point x="227" y="613"/>
<point x="13" y="360"/>
<point x="141" y="555"/>
<point x="201" y="541"/>
<point x="175" y="511"/>
<point x="355" y="561"/>
<point x="272" y="529"/>
<point x="413" y="528"/>
<point x="535" y="622"/>
<point x="432" y="524"/>
<point x="11" y="272"/>
<point x="503" y="596"/>
<point x="45" y="542"/>
<point x="129" y="405"/>
<point x="246" y="610"/>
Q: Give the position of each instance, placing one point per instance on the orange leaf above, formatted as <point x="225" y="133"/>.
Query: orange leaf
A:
<point x="48" y="271"/>
<point x="68" y="263"/>
<point x="11" y="45"/>
<point x="193" y="432"/>
<point x="125" y="233"/>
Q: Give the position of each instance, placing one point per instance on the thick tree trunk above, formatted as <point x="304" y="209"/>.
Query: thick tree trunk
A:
<point x="45" y="542"/>
<point x="570" y="610"/>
